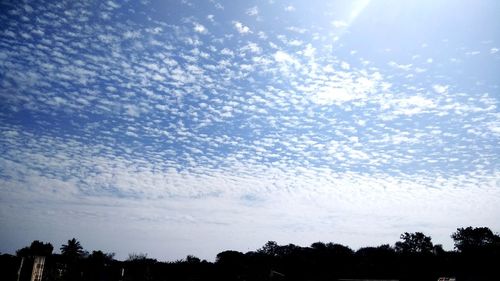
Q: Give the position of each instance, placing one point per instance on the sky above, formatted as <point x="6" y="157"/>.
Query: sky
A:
<point x="193" y="127"/>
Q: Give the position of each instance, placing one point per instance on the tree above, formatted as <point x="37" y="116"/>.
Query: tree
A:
<point x="414" y="243"/>
<point x="471" y="238"/>
<point x="37" y="248"/>
<point x="95" y="265"/>
<point x="320" y="246"/>
<point x="192" y="259"/>
<point x="101" y="257"/>
<point x="230" y="257"/>
<point x="271" y="248"/>
<point x="137" y="257"/>
<point x="339" y="249"/>
<point x="380" y="251"/>
<point x="73" y="249"/>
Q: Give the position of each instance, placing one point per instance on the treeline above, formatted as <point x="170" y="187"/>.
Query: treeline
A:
<point x="414" y="257"/>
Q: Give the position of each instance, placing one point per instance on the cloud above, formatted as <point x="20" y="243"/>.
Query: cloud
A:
<point x="305" y="197"/>
<point x="252" y="47"/>
<point x="254" y="11"/>
<point x="440" y="89"/>
<point x="112" y="5"/>
<point x="242" y="29"/>
<point x="200" y="28"/>
<point x="147" y="124"/>
<point x="472" y="53"/>
<point x="333" y="95"/>
<point x="217" y="5"/>
<point x="227" y="52"/>
<point x="405" y="67"/>
<point x="283" y="57"/>
<point x="297" y="29"/>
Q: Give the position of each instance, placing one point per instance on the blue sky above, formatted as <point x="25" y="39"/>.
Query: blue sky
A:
<point x="192" y="127"/>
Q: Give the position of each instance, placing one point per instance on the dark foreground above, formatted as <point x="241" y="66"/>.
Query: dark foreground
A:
<point x="476" y="258"/>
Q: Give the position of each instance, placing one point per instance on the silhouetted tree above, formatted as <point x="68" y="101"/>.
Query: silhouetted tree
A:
<point x="137" y="257"/>
<point x="229" y="257"/>
<point x="72" y="254"/>
<point x="411" y="259"/>
<point x="96" y="265"/>
<point x="36" y="248"/>
<point x="414" y="243"/>
<point x="192" y="259"/>
<point x="471" y="238"/>
<point x="101" y="257"/>
<point x="339" y="250"/>
<point x="139" y="267"/>
<point x="271" y="248"/>
<point x="318" y="246"/>
<point x="380" y="251"/>
<point x="231" y="264"/>
<point x="479" y="253"/>
<point x="73" y="249"/>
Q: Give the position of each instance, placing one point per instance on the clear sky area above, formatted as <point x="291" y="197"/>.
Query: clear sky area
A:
<point x="192" y="127"/>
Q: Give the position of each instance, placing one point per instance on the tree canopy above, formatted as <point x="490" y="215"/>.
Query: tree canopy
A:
<point x="470" y="238"/>
<point x="414" y="243"/>
<point x="73" y="249"/>
<point x="412" y="258"/>
<point x="37" y="248"/>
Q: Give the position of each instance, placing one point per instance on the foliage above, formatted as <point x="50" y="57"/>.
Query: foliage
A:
<point x="73" y="249"/>
<point x="192" y="259"/>
<point x="470" y="238"/>
<point x="36" y="248"/>
<point x="271" y="248"/>
<point x="137" y="257"/>
<point x="101" y="257"/>
<point x="229" y="256"/>
<point x="414" y="243"/>
<point x="413" y="258"/>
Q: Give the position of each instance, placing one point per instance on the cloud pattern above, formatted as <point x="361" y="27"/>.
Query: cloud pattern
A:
<point x="236" y="121"/>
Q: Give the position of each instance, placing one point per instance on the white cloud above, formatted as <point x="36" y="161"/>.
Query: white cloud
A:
<point x="295" y="42"/>
<point x="297" y="29"/>
<point x="200" y="28"/>
<point x="289" y="8"/>
<point x="217" y="5"/>
<point x="440" y="89"/>
<point x="227" y="52"/>
<point x="405" y="67"/>
<point x="285" y="58"/>
<point x="254" y="11"/>
<point x="309" y="52"/>
<point x="333" y="95"/>
<point x="472" y="53"/>
<point x="113" y="5"/>
<point x="412" y="105"/>
<point x="242" y="29"/>
<point x="304" y="196"/>
<point x="252" y="47"/>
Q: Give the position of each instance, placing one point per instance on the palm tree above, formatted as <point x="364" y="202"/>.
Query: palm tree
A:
<point x="73" y="249"/>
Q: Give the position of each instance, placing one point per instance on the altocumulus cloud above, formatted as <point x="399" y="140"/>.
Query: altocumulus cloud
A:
<point x="201" y="127"/>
